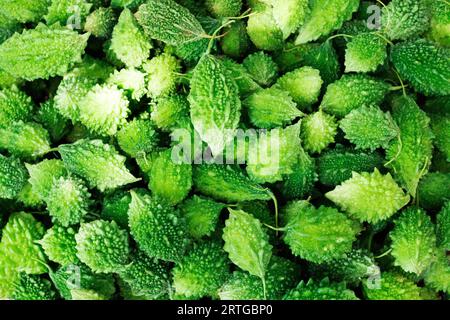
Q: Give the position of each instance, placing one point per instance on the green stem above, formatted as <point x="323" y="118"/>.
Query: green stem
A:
<point x="52" y="150"/>
<point x="247" y="13"/>
<point x="421" y="174"/>
<point x="395" y="88"/>
<point x="275" y="203"/>
<point x="384" y="38"/>
<point x="214" y="35"/>
<point x="380" y="2"/>
<point x="264" y="287"/>
<point x="274" y="228"/>
<point x="339" y="35"/>
<point x="401" y="81"/>
<point x="383" y="254"/>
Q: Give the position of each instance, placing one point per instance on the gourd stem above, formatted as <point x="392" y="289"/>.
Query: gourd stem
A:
<point x="52" y="150"/>
<point x="384" y="38"/>
<point x="395" y="88"/>
<point x="214" y="35"/>
<point x="400" y="148"/>
<point x="264" y="287"/>
<point x="401" y="81"/>
<point x="380" y="2"/>
<point x="275" y="203"/>
<point x="339" y="35"/>
<point x="273" y="228"/>
<point x="383" y="254"/>
<point x="244" y="15"/>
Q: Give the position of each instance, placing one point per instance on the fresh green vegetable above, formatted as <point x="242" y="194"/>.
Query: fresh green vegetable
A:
<point x="224" y="149"/>
<point x="42" y="52"/>
<point x="357" y="195"/>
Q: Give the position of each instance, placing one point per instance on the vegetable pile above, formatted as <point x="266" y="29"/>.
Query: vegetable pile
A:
<point x="314" y="139"/>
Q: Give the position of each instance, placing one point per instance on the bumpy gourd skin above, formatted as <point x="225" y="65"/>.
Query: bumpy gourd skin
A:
<point x="131" y="81"/>
<point x="322" y="57"/>
<point x="54" y="51"/>
<point x="365" y="53"/>
<point x="158" y="17"/>
<point x="14" y="106"/>
<point x="146" y="276"/>
<point x="443" y="227"/>
<point x="202" y="271"/>
<point x="227" y="183"/>
<point x="245" y="83"/>
<point x="261" y="68"/>
<point x="224" y="8"/>
<point x="104" y="109"/>
<point x="68" y="201"/>
<point x="351" y="197"/>
<point x="98" y="163"/>
<point x="161" y="75"/>
<point x="33" y="287"/>
<point x="76" y="84"/>
<point x="28" y="140"/>
<point x="351" y="92"/>
<point x="171" y="112"/>
<point x="320" y="290"/>
<point x="325" y="17"/>
<point x="43" y="174"/>
<point x="402" y="19"/>
<point x="274" y="154"/>
<point x="18" y="242"/>
<point x="318" y="234"/>
<point x="25" y="11"/>
<point x="138" y="137"/>
<point x="236" y="42"/>
<point x="318" y="131"/>
<point x="52" y="120"/>
<point x="100" y="22"/>
<point x="425" y="65"/>
<point x="440" y="22"/>
<point x="115" y="207"/>
<point x="391" y="286"/>
<point x="357" y="195"/>
<point x="29" y="197"/>
<point x="79" y="277"/>
<point x="352" y="267"/>
<point x="128" y="41"/>
<point x="59" y="245"/>
<point x="271" y="108"/>
<point x="282" y="274"/>
<point x="410" y="155"/>
<point x="439" y="125"/>
<point x="303" y="84"/>
<point x="151" y="220"/>
<point x="369" y="128"/>
<point x="215" y="104"/>
<point x="413" y="241"/>
<point x="247" y="243"/>
<point x="289" y="15"/>
<point x="202" y="215"/>
<point x="433" y="190"/>
<point x="263" y="29"/>
<point x="102" y="246"/>
<point x="192" y="51"/>
<point x="170" y="180"/>
<point x="63" y="11"/>
<point x="301" y="181"/>
<point x="437" y="276"/>
<point x="13" y="177"/>
<point x="336" y="166"/>
<point x="8" y="26"/>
